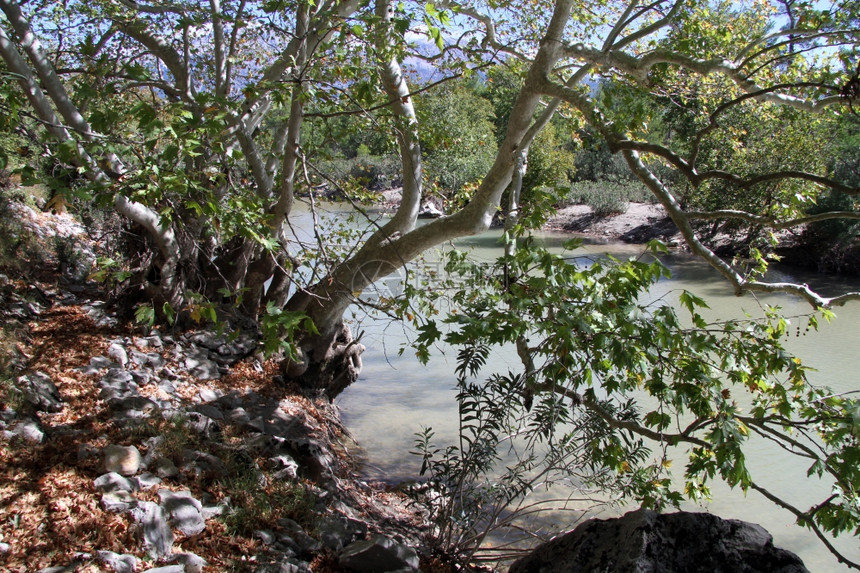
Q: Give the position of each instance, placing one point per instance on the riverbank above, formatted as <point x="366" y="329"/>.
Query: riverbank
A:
<point x="640" y="223"/>
<point x="125" y="448"/>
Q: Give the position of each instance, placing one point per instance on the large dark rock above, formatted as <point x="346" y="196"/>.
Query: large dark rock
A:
<point x="644" y="541"/>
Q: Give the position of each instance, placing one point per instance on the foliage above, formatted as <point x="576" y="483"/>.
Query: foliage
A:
<point x="621" y="388"/>
<point x="459" y="143"/>
<point x="258" y="501"/>
<point x="280" y="328"/>
<point x="551" y="164"/>
<point x="202" y="123"/>
<point x="834" y="242"/>
<point x="605" y="198"/>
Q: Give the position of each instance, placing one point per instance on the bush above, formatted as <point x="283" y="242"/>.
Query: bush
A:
<point x="608" y="197"/>
<point x="374" y="172"/>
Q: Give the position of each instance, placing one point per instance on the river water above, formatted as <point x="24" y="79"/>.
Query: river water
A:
<point x="396" y="396"/>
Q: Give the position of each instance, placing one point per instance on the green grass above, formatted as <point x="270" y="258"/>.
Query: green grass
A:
<point x="258" y="501"/>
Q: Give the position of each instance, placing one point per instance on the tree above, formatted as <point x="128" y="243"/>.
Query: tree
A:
<point x="459" y="143"/>
<point x="174" y="131"/>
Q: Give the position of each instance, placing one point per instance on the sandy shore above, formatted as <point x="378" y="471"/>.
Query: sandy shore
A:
<point x="639" y="224"/>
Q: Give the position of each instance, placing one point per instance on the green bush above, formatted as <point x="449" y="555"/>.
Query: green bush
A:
<point x="607" y="197"/>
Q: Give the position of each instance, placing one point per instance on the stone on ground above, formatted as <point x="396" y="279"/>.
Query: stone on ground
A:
<point x="122" y="460"/>
<point x="379" y="554"/>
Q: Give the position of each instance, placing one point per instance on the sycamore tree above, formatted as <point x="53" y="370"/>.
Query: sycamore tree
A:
<point x="186" y="118"/>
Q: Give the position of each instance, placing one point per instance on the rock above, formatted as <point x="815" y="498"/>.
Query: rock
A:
<point x="203" y="425"/>
<point x="143" y="377"/>
<point x="192" y="563"/>
<point x="313" y="457"/>
<point x="210" y="511"/>
<point x="168" y="374"/>
<point x="338" y="531"/>
<point x="646" y="541"/>
<point x="164" y="468"/>
<point x="148" y="481"/>
<point x="263" y="445"/>
<point x="201" y="464"/>
<point x="119" y="563"/>
<point x="288" y="565"/>
<point x="167" y="569"/>
<point x="118" y="501"/>
<point x="112" y="481"/>
<point x="284" y="467"/>
<point x="60" y="569"/>
<point x="167" y="386"/>
<point x="4" y="547"/>
<point x="229" y="401"/>
<point x="154" y="529"/>
<point x="122" y="460"/>
<point x="8" y="415"/>
<point x="199" y="365"/>
<point x="41" y="392"/>
<point x="117" y="384"/>
<point x="297" y="538"/>
<point x="265" y="536"/>
<point x="96" y="365"/>
<point x="29" y="431"/>
<point x="134" y="404"/>
<point x="430" y="211"/>
<point x="210" y="412"/>
<point x="379" y="554"/>
<point x="151" y="359"/>
<point x="208" y="395"/>
<point x="118" y="354"/>
<point x="87" y="451"/>
<point x="183" y="511"/>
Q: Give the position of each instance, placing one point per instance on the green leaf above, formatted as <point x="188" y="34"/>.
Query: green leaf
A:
<point x="145" y="314"/>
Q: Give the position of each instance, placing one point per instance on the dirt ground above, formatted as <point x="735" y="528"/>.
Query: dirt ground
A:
<point x="639" y="224"/>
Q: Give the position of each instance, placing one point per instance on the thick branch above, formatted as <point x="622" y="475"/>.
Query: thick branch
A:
<point x="164" y="52"/>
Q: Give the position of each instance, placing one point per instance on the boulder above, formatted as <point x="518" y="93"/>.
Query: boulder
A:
<point x="192" y="563"/>
<point x="430" y="211"/>
<point x="379" y="554"/>
<point x="112" y="481"/>
<point x="118" y="501"/>
<point x="338" y="531"/>
<point x="29" y="430"/>
<point x="197" y="363"/>
<point x="118" y="354"/>
<point x="644" y="541"/>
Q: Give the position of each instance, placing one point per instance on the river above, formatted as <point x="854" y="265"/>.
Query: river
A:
<point x="396" y="396"/>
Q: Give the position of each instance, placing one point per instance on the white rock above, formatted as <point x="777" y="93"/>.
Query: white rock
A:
<point x="122" y="460"/>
